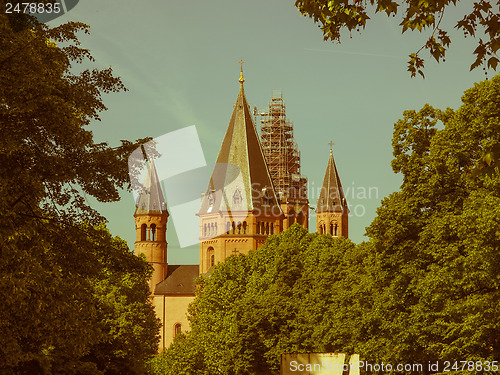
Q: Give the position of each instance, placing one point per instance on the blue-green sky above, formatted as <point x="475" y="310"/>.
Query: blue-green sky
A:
<point x="179" y="63"/>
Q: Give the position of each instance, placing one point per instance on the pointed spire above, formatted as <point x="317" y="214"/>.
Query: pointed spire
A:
<point x="331" y="198"/>
<point x="241" y="170"/>
<point x="151" y="199"/>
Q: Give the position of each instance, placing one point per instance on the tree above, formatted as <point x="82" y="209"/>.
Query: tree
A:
<point x="253" y="308"/>
<point x="68" y="290"/>
<point x="335" y="15"/>
<point x="437" y="238"/>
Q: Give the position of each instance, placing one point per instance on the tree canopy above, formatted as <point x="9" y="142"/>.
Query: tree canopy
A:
<point x="74" y="299"/>
<point x="252" y="308"/>
<point x="334" y="16"/>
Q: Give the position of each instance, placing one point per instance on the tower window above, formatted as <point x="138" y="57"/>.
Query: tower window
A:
<point x="244" y="227"/>
<point x="153" y="232"/>
<point x="228" y="227"/>
<point x="336" y="230"/>
<point x="210" y="257"/>
<point x="272" y="228"/>
<point x="267" y="228"/>
<point x="177" y="329"/>
<point x="258" y="227"/>
<point x="239" y="227"/>
<point x="234" y="228"/>
<point x="320" y="228"/>
<point x="144" y="228"/>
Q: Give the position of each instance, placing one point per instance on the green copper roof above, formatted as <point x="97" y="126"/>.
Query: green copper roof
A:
<point x="331" y="198"/>
<point x="240" y="180"/>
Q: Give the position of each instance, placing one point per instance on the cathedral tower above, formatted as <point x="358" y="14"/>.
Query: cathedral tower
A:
<point x="240" y="208"/>
<point x="151" y="226"/>
<point x="331" y="211"/>
<point x="283" y="160"/>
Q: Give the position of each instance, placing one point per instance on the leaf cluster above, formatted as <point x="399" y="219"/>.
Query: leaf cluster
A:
<point x="335" y="15"/>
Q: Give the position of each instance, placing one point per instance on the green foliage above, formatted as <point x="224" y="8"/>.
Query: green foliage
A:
<point x="437" y="238"/>
<point x="335" y="15"/>
<point x="74" y="299"/>
<point x="253" y="308"/>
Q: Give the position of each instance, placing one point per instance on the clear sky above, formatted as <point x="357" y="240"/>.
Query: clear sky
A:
<point x="178" y="60"/>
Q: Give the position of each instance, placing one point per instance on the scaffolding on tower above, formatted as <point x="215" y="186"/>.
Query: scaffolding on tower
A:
<point x="281" y="153"/>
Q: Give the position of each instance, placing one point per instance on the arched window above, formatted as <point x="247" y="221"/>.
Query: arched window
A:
<point x="215" y="229"/>
<point x="258" y="227"/>
<point x="228" y="227"/>
<point x="144" y="229"/>
<point x="177" y="329"/>
<point x="212" y="229"/>
<point x="239" y="227"/>
<point x="153" y="232"/>
<point x="234" y="228"/>
<point x="336" y="230"/>
<point x="204" y="229"/>
<point x="331" y="228"/>
<point x="324" y="228"/>
<point x="263" y="228"/>
<point x="244" y="227"/>
<point x="267" y="228"/>
<point x="272" y="228"/>
<point x="320" y="228"/>
<point x="210" y="257"/>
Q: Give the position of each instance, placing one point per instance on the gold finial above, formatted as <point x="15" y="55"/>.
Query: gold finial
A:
<point x="241" y="62"/>
<point x="331" y="146"/>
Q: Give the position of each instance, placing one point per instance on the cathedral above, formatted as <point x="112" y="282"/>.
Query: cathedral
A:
<point x="255" y="190"/>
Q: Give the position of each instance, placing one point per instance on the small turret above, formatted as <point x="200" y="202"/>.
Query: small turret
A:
<point x="331" y="210"/>
<point x="151" y="218"/>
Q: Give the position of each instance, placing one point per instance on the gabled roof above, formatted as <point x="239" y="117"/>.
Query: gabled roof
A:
<point x="180" y="280"/>
<point x="240" y="180"/>
<point x="151" y="199"/>
<point x="331" y="198"/>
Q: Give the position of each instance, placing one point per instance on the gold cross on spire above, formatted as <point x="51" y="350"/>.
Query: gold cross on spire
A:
<point x="241" y="62"/>
<point x="331" y="145"/>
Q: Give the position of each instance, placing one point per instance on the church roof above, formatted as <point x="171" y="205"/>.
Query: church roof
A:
<point x="240" y="180"/>
<point x="180" y="280"/>
<point x="151" y="199"/>
<point x="331" y="198"/>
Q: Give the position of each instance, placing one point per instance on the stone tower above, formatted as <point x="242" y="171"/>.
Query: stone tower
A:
<point x="331" y="211"/>
<point x="151" y="218"/>
<point x="240" y="208"/>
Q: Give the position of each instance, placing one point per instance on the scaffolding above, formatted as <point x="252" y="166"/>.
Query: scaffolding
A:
<point x="281" y="153"/>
